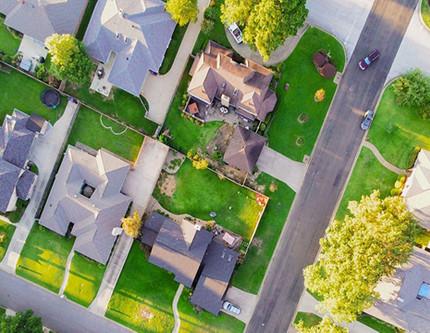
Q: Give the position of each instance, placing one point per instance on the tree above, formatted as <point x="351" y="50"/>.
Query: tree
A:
<point x="413" y="89"/>
<point x="236" y="11"/>
<point x="325" y="326"/>
<point x="22" y="322"/>
<point x="132" y="224"/>
<point x="357" y="252"/>
<point x="69" y="60"/>
<point x="182" y="11"/>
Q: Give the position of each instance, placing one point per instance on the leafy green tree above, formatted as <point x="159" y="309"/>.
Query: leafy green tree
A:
<point x="69" y="60"/>
<point x="236" y="11"/>
<point x="413" y="89"/>
<point x="132" y="225"/>
<point x="182" y="11"/>
<point x="22" y="322"/>
<point x="325" y="326"/>
<point x="357" y="252"/>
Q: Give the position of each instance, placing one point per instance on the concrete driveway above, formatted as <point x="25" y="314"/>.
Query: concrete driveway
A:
<point x="245" y="301"/>
<point x="281" y="167"/>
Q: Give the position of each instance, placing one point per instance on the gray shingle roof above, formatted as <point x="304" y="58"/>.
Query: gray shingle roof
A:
<point x="137" y="32"/>
<point x="93" y="218"/>
<point x="218" y="266"/>
<point x="42" y="18"/>
<point x="18" y="147"/>
<point x="151" y="228"/>
<point x="25" y="184"/>
<point x="8" y="178"/>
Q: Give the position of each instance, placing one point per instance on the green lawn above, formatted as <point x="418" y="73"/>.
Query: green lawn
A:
<point x="20" y="91"/>
<point x="250" y="274"/>
<point x="86" y="19"/>
<point x="142" y="299"/>
<point x="309" y="319"/>
<point x="186" y="134"/>
<point x="124" y="107"/>
<point x="425" y="12"/>
<point x="173" y="48"/>
<point x="88" y="130"/>
<point x="6" y="233"/>
<point x="15" y="216"/>
<point x="199" y="192"/>
<point x="303" y="79"/>
<point x="205" y="322"/>
<point x="84" y="279"/>
<point x="43" y="258"/>
<point x="368" y="175"/>
<point x="397" y="130"/>
<point x="9" y="43"/>
<point x="378" y="325"/>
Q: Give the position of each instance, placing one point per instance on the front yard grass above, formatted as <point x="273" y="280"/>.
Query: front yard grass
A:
<point x="15" y="216"/>
<point x="205" y="322"/>
<point x="9" y="43"/>
<point x="43" y="258"/>
<point x="309" y="319"/>
<point x="6" y="233"/>
<point x="199" y="192"/>
<point x="425" y="12"/>
<point x="368" y="175"/>
<point x="304" y="80"/>
<point x="250" y="274"/>
<point x="22" y="92"/>
<point x="142" y="299"/>
<point x="397" y="130"/>
<point x="88" y="130"/>
<point x="85" y="277"/>
<point x="378" y="325"/>
<point x="173" y="48"/>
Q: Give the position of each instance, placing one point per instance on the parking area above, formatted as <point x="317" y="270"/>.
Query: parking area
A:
<point x="245" y="301"/>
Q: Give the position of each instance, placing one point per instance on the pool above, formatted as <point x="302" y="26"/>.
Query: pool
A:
<point x="424" y="291"/>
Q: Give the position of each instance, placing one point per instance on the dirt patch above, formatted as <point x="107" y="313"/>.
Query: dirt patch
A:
<point x="167" y="184"/>
<point x="145" y="314"/>
<point x="257" y="242"/>
<point x="273" y="187"/>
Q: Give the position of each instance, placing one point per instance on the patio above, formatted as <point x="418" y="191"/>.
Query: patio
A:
<point x="33" y="53"/>
<point x="100" y="81"/>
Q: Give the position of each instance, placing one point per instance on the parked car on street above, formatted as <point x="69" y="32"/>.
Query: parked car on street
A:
<point x="365" y="62"/>
<point x="231" y="308"/>
<point x="236" y="33"/>
<point x="367" y="120"/>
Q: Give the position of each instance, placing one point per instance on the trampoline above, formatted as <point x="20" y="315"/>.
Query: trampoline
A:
<point x="51" y="98"/>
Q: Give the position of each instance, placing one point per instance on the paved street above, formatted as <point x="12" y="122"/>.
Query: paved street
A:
<point x="330" y="166"/>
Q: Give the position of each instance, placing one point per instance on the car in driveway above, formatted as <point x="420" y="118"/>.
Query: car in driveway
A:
<point x="367" y="120"/>
<point x="227" y="306"/>
<point x="236" y="33"/>
<point x="365" y="62"/>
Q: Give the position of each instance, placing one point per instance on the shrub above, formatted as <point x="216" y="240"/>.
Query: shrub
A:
<point x="207" y="26"/>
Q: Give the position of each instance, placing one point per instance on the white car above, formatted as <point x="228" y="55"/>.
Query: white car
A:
<point x="230" y="308"/>
<point x="236" y="33"/>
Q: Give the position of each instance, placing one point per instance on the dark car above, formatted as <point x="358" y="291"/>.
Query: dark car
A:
<point x="365" y="62"/>
<point x="367" y="120"/>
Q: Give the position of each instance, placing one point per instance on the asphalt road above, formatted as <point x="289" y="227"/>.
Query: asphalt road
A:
<point x="331" y="162"/>
<point x="58" y="314"/>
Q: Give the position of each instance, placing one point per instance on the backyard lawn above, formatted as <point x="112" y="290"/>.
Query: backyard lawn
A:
<point x="287" y="134"/>
<point x="43" y="258"/>
<point x="367" y="175"/>
<point x="19" y="91"/>
<point x="205" y="322"/>
<point x="86" y="19"/>
<point x="85" y="276"/>
<point x="199" y="192"/>
<point x="123" y="106"/>
<point x="142" y="299"/>
<point x="9" y="43"/>
<point x="397" y="130"/>
<point x="425" y="12"/>
<point x="250" y="274"/>
<point x="173" y="48"/>
<point x="88" y="130"/>
<point x="6" y="233"/>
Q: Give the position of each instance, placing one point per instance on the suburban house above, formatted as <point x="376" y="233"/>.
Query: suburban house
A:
<point x="405" y="297"/>
<point x="86" y="201"/>
<point x="220" y="80"/>
<point x="17" y="135"/>
<point x="129" y="39"/>
<point x="244" y="149"/>
<point x="417" y="189"/>
<point x="39" y="19"/>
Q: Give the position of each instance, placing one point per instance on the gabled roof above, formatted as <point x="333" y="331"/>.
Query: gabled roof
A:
<point x="244" y="149"/>
<point x="218" y="267"/>
<point x="42" y="18"/>
<point x="93" y="217"/>
<point x="417" y="189"/>
<point x="25" y="184"/>
<point x="137" y="32"/>
<point x="8" y="178"/>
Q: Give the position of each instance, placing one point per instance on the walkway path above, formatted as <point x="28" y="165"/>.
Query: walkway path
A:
<point x="382" y="160"/>
<point x="160" y="90"/>
<point x="281" y="167"/>
<point x="47" y="149"/>
<point x="66" y="272"/>
<point x="175" y="309"/>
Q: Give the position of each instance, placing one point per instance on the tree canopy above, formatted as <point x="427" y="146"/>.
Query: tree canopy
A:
<point x="182" y="11"/>
<point x="357" y="252"/>
<point x="22" y="322"/>
<point x="132" y="224"/>
<point x="69" y="60"/>
<point x="266" y="23"/>
<point x="325" y="326"/>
